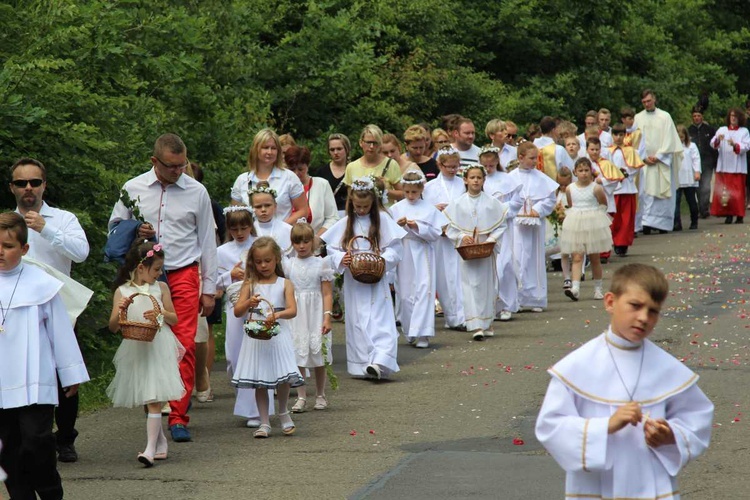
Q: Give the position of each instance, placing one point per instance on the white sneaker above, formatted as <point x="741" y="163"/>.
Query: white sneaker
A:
<point x="489" y="333"/>
<point x="478" y="335"/>
<point x="204" y="396"/>
<point x="598" y="293"/>
<point x="505" y="315"/>
<point x="422" y="343"/>
<point x="572" y="293"/>
<point x="253" y="423"/>
<point x="166" y="409"/>
<point x="411" y="340"/>
<point x="373" y="371"/>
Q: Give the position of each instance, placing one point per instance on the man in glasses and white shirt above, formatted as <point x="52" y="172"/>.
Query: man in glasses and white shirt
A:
<point x="57" y="239"/>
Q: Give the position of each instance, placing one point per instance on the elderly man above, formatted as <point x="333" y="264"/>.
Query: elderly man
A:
<point x="177" y="210"/>
<point x="56" y="238"/>
<point x="663" y="157"/>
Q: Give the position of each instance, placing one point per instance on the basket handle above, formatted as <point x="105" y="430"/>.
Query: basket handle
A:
<point x="374" y="248"/>
<point x="474" y="236"/>
<point x="270" y="306"/>
<point x="124" y="312"/>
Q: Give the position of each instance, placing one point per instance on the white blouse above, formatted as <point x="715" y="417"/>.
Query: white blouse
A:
<point x="285" y="182"/>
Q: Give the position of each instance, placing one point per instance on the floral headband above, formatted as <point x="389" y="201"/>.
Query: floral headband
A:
<point x="490" y="149"/>
<point x="472" y="167"/>
<point x="238" y="208"/>
<point x="157" y="248"/>
<point x="447" y="151"/>
<point x="421" y="179"/>
<point x="364" y="184"/>
<point x="263" y="189"/>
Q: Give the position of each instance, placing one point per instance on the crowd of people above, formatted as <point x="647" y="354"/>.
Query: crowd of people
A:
<point x="431" y="226"/>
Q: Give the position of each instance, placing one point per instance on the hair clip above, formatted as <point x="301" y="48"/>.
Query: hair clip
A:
<point x="157" y="248"/>
<point x="301" y="220"/>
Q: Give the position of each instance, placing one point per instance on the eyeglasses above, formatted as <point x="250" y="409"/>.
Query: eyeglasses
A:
<point x="173" y="167"/>
<point x="21" y="183"/>
<point x="372" y="144"/>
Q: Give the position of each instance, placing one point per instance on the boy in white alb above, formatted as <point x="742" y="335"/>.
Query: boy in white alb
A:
<point x="37" y="345"/>
<point x="622" y="416"/>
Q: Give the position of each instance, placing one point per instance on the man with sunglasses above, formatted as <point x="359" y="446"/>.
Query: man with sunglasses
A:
<point x="57" y="239"/>
<point x="178" y="212"/>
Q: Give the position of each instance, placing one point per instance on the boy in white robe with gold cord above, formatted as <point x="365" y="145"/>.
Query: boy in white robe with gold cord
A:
<point x="477" y="217"/>
<point x="621" y="415"/>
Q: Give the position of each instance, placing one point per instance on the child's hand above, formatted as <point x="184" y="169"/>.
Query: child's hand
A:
<point x="533" y="213"/>
<point x="627" y="414"/>
<point x="412" y="224"/>
<point x="467" y="240"/>
<point x="237" y="273"/>
<point x="658" y="432"/>
<point x="271" y="319"/>
<point x="125" y="303"/>
<point x="347" y="260"/>
<point x="401" y="222"/>
<point x="253" y="301"/>
<point x="150" y="315"/>
<point x="441" y="206"/>
<point x="326" y="324"/>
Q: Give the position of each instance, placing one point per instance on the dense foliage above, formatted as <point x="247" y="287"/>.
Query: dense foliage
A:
<point x="87" y="86"/>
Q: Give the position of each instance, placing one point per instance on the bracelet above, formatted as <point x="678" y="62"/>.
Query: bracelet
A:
<point x="328" y="313"/>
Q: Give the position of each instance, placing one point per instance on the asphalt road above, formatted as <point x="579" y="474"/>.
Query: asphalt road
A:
<point x="451" y="423"/>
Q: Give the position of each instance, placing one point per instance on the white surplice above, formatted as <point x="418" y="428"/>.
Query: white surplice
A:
<point x="448" y="271"/>
<point x="371" y="335"/>
<point x="538" y="192"/>
<point x="507" y="189"/>
<point x="487" y="216"/>
<point x="279" y="230"/>
<point x="37" y="344"/>
<point x="586" y="389"/>
<point x="228" y="255"/>
<point x="416" y="271"/>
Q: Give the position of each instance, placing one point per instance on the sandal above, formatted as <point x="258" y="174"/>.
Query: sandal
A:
<point x="300" y="405"/>
<point x="262" y="432"/>
<point x="321" y="403"/>
<point x="287" y="428"/>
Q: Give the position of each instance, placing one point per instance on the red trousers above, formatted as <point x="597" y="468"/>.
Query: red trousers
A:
<point x="735" y="187"/>
<point x="184" y="285"/>
<point x="623" y="225"/>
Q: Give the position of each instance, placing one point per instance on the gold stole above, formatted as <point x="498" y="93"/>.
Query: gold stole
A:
<point x="630" y="155"/>
<point x="609" y="171"/>
<point x="546" y="162"/>
<point x="633" y="139"/>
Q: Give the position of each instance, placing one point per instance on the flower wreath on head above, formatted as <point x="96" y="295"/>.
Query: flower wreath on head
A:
<point x="421" y="179"/>
<point x="473" y="166"/>
<point x="447" y="151"/>
<point x="238" y="208"/>
<point x="490" y="149"/>
<point x="157" y="248"/>
<point x="365" y="183"/>
<point x="262" y="189"/>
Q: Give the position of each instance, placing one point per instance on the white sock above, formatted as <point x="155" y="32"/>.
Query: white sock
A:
<point x="161" y="442"/>
<point x="153" y="426"/>
<point x="598" y="284"/>
<point x="576" y="286"/>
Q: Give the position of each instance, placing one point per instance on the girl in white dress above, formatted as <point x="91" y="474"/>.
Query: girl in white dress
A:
<point x="586" y="227"/>
<point x="476" y="211"/>
<point x="147" y="372"/>
<point x="442" y="191"/>
<point x="312" y="278"/>
<point x="263" y="201"/>
<point x="416" y="272"/>
<point x="267" y="364"/>
<point x="231" y="257"/>
<point x="371" y="335"/>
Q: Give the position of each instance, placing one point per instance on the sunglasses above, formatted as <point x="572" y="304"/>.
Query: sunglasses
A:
<point x="512" y="136"/>
<point x="21" y="183"/>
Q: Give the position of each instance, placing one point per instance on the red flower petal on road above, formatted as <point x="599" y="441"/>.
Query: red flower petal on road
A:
<point x="518" y="441"/>
<point x="352" y="432"/>
<point x="372" y="431"/>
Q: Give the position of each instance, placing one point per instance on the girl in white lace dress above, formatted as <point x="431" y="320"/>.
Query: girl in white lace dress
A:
<point x="147" y="372"/>
<point x="586" y="227"/>
<point x="312" y="278"/>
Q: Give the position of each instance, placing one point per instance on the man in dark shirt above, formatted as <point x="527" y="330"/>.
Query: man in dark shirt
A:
<point x="701" y="134"/>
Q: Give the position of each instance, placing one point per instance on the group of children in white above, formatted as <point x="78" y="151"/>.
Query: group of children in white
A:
<point x="475" y="240"/>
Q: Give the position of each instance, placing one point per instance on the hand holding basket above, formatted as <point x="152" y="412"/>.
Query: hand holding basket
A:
<point x="262" y="328"/>
<point x="476" y="250"/>
<point x="137" y="330"/>
<point x="366" y="266"/>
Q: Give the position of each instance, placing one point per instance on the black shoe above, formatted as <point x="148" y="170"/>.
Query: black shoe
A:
<point x="646" y="230"/>
<point x="740" y="220"/>
<point x="677" y="227"/>
<point x="621" y="251"/>
<point x="694" y="225"/>
<point x="728" y="220"/>
<point x="67" y="453"/>
<point x="663" y="231"/>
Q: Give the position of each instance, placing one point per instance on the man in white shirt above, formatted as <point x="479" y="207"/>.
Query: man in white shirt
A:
<point x="57" y="239"/>
<point x="177" y="211"/>
<point x="552" y="155"/>
<point x="463" y="141"/>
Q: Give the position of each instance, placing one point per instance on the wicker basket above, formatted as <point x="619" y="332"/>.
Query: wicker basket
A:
<point x="524" y="219"/>
<point x="366" y="267"/>
<point x="266" y="333"/>
<point x="136" y="330"/>
<point x="476" y="250"/>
